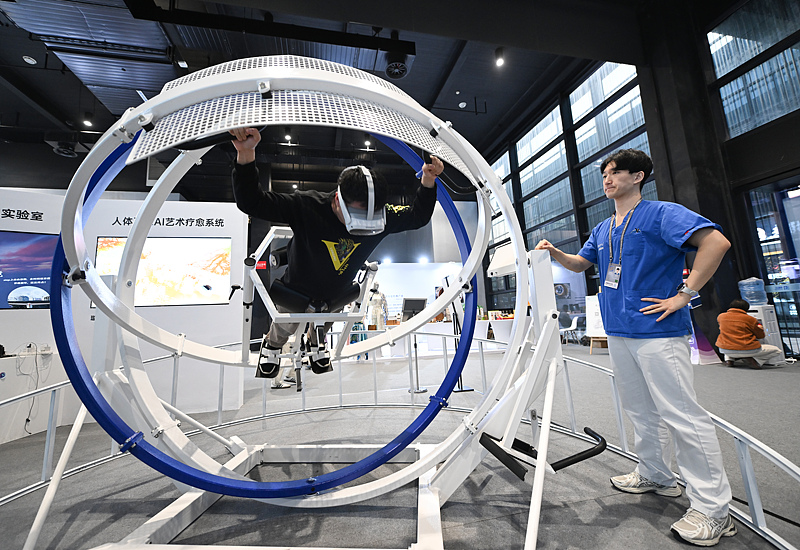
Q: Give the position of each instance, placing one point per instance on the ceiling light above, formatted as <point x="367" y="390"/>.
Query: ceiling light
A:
<point x="183" y="64"/>
<point x="499" y="57"/>
<point x="29" y="60"/>
<point x="367" y="141"/>
<point x="288" y="136"/>
<point x="462" y="105"/>
<point x="87" y="119"/>
<point x="458" y="92"/>
<point x="423" y="260"/>
<point x="294" y="186"/>
<point x="387" y="261"/>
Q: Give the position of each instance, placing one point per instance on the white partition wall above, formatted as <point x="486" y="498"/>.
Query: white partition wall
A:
<point x="32" y="212"/>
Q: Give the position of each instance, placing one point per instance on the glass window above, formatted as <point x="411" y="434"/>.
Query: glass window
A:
<point x="555" y="232"/>
<point x="499" y="229"/>
<point x="592" y="180"/>
<point x="599" y="212"/>
<point x="503" y="301"/>
<point x="502" y="167"/>
<point x="602" y="210"/>
<point x="551" y="164"/>
<point x="621" y="117"/>
<point x="749" y="31"/>
<point x="765" y="93"/>
<point x="548" y="129"/>
<point x="605" y="81"/>
<point x="777" y="224"/>
<point x="493" y="198"/>
<point x="499" y="283"/>
<point x="547" y="204"/>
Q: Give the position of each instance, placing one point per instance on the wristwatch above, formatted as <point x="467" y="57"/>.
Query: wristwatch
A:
<point x="686" y="290"/>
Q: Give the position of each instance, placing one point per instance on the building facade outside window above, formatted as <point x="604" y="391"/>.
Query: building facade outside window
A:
<point x="755" y="56"/>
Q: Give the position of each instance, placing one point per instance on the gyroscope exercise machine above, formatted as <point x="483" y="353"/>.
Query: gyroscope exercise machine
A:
<point x="193" y="113"/>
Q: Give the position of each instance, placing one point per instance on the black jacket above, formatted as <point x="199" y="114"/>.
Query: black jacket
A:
<point x="323" y="258"/>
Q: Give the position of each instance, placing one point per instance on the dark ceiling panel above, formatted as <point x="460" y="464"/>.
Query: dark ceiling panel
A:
<point x="110" y="22"/>
<point x="121" y="74"/>
<point x="118" y="100"/>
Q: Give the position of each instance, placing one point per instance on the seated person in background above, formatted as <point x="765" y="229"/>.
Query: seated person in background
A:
<point x="564" y="319"/>
<point x="333" y="234"/>
<point x="738" y="338"/>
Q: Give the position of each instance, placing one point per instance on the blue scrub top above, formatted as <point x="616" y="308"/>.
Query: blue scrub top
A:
<point x="653" y="258"/>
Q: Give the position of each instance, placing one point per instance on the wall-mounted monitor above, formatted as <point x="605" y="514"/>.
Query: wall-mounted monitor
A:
<point x="25" y="260"/>
<point x="174" y="271"/>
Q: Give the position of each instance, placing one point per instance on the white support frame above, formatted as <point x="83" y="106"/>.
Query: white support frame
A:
<point x="523" y="375"/>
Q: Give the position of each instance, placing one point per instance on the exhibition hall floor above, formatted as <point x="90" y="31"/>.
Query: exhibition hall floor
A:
<point x="490" y="510"/>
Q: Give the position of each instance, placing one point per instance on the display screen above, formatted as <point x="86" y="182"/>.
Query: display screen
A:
<point x="174" y="271"/>
<point x="25" y="260"/>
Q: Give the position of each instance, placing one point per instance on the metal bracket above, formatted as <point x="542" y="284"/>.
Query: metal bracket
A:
<point x="123" y="134"/>
<point x="471" y="426"/>
<point x="441" y="400"/>
<point x="75" y="275"/>
<point x="264" y="89"/>
<point x="131" y="442"/>
<point x="145" y="120"/>
<point x="181" y="341"/>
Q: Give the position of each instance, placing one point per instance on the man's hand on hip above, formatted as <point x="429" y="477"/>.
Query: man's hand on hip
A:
<point x="668" y="306"/>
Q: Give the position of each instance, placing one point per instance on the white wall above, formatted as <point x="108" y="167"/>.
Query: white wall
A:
<point x="212" y="324"/>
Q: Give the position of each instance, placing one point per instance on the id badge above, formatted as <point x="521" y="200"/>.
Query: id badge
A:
<point x="612" y="275"/>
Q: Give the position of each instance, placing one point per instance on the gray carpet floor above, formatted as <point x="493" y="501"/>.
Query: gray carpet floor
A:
<point x="490" y="510"/>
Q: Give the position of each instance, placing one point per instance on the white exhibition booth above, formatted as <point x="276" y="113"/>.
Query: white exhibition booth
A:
<point x="32" y="360"/>
<point x="27" y="334"/>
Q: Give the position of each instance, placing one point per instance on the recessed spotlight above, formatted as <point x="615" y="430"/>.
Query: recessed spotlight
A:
<point x="294" y="186"/>
<point x="287" y="134"/>
<point x="386" y="260"/>
<point x="499" y="57"/>
<point x="88" y="119"/>
<point x="458" y="92"/>
<point x="423" y="260"/>
<point x="183" y="64"/>
<point x="29" y="60"/>
<point x="462" y="105"/>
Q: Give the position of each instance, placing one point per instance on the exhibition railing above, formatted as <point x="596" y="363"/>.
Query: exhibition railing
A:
<point x="755" y="519"/>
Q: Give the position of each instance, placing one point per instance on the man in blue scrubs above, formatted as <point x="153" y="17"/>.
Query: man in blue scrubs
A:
<point x="640" y="252"/>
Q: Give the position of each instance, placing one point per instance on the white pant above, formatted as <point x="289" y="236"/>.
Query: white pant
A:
<point x="765" y="354"/>
<point x="655" y="381"/>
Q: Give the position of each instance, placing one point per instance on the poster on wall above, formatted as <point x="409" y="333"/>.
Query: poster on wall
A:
<point x="25" y="260"/>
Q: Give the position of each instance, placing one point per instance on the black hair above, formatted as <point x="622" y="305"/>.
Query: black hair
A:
<point x="740" y="304"/>
<point x="353" y="186"/>
<point x="632" y="160"/>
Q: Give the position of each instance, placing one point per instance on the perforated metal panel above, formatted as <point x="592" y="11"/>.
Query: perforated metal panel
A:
<point x="288" y="107"/>
<point x="283" y="61"/>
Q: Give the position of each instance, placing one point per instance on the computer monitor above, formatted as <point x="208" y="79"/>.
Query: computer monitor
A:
<point x="412" y="306"/>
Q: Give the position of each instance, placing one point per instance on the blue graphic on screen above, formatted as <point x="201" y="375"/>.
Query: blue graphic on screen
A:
<point x="25" y="260"/>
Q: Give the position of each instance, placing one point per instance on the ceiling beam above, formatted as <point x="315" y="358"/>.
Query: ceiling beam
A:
<point x="604" y="31"/>
<point x="27" y="94"/>
<point x="148" y="10"/>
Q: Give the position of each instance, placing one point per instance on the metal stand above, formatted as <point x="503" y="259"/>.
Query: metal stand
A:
<point x="416" y="389"/>
<point x="460" y="387"/>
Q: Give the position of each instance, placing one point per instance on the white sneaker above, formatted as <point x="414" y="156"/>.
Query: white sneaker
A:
<point x="699" y="529"/>
<point x="634" y="483"/>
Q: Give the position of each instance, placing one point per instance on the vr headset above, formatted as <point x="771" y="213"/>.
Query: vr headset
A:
<point x="363" y="222"/>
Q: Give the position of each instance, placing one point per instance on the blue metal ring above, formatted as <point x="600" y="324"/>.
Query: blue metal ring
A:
<point x="104" y="414"/>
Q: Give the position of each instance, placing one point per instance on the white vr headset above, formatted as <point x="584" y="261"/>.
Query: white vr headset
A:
<point x="363" y="222"/>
